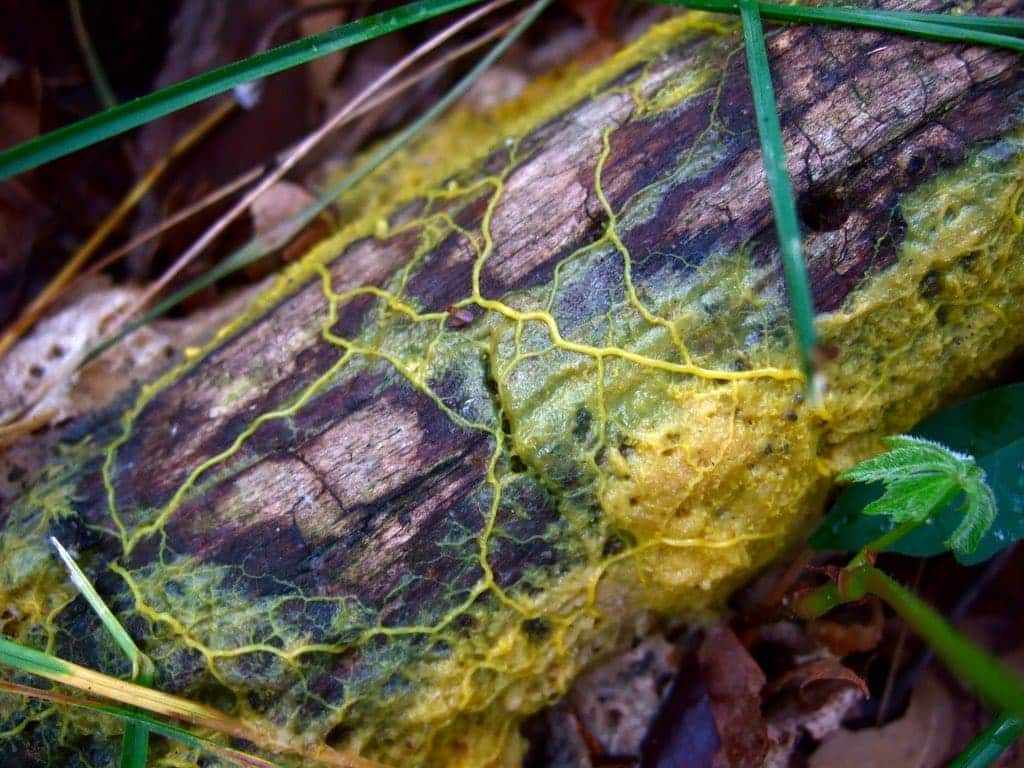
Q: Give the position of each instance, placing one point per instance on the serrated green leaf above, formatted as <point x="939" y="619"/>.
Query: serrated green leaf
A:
<point x="895" y="464"/>
<point x="981" y="512"/>
<point x="990" y="427"/>
<point x="927" y="450"/>
<point x="914" y="498"/>
<point x="908" y="456"/>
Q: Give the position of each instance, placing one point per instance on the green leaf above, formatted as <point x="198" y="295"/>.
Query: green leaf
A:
<point x="908" y="456"/>
<point x="914" y="498"/>
<point x="968" y="534"/>
<point x="132" y="114"/>
<point x="921" y="477"/>
<point x="990" y="427"/>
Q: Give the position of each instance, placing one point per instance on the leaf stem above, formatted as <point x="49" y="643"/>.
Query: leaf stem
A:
<point x="883" y="542"/>
<point x="995" y="682"/>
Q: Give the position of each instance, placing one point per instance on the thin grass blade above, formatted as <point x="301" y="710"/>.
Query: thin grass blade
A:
<point x="57" y="670"/>
<point x="141" y="666"/>
<point x="100" y="82"/>
<point x="139" y="720"/>
<point x="998" y="25"/>
<point x="781" y="190"/>
<point x="1000" y="32"/>
<point x="135" y="745"/>
<point x="132" y="114"/>
<point x="257" y="248"/>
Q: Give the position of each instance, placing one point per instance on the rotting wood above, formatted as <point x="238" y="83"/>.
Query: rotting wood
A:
<point x="400" y="517"/>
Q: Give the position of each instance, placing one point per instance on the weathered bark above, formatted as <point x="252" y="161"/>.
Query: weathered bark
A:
<point x="400" y="518"/>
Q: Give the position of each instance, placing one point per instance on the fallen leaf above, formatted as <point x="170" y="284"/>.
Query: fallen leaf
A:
<point x="40" y="380"/>
<point x="922" y="738"/>
<point x="735" y="681"/>
<point x="616" y="701"/>
<point x="808" y="679"/>
<point x="683" y="733"/>
<point x="787" y="724"/>
<point x="846" y="637"/>
<point x="597" y="13"/>
<point x="270" y="213"/>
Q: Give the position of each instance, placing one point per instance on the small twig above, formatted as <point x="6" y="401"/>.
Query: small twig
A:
<point x="255" y="173"/>
<point x="214" y="197"/>
<point x="300" y="151"/>
<point x="110" y="223"/>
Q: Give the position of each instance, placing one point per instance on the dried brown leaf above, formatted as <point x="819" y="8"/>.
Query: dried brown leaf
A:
<point x="40" y="379"/>
<point x="734" y="681"/>
<point x="683" y="733"/>
<point x="809" y="679"/>
<point x="271" y="211"/>
<point x="846" y="637"/>
<point x="922" y="738"/>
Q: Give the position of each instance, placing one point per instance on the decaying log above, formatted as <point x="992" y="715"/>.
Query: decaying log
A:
<point x="474" y="439"/>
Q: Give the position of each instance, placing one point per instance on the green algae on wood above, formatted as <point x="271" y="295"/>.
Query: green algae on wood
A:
<point x="470" y="442"/>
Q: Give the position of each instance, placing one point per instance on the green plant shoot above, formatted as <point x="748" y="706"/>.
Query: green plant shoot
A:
<point x="921" y="477"/>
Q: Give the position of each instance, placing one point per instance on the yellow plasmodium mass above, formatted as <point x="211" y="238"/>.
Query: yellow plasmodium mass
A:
<point x="751" y="461"/>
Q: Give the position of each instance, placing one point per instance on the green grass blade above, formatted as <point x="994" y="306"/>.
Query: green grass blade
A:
<point x="1000" y="32"/>
<point x="133" y="718"/>
<point x="257" y="249"/>
<point x="113" y="626"/>
<point x="931" y="26"/>
<point x="135" y="746"/>
<point x="989" y="745"/>
<point x="787" y="225"/>
<point x="998" y="25"/>
<point x="132" y="114"/>
<point x="31" y="661"/>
